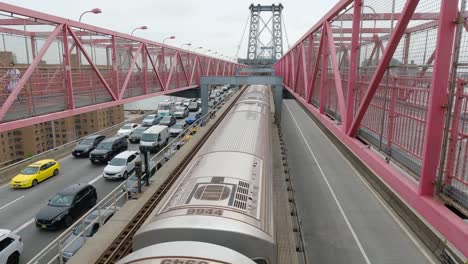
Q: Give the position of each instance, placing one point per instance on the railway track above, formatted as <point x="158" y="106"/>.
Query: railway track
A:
<point x="122" y="245"/>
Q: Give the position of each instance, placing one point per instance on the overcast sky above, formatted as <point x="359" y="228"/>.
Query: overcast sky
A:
<point x="213" y="24"/>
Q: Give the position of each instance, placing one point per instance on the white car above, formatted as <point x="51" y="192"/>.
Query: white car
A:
<point x="121" y="166"/>
<point x="11" y="247"/>
<point x="127" y="129"/>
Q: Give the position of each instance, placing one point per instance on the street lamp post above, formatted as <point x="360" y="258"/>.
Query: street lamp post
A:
<point x="171" y="37"/>
<point x="94" y="11"/>
<point x="186" y="44"/>
<point x="142" y="28"/>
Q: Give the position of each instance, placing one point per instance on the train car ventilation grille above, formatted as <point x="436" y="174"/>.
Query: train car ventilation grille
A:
<point x="242" y="195"/>
<point x="212" y="192"/>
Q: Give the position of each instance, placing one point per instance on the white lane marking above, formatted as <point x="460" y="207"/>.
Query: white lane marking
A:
<point x="19" y="229"/>
<point x="405" y="229"/>
<point x="5" y="185"/>
<point x="91" y="182"/>
<point x="363" y="252"/>
<point x="19" y="198"/>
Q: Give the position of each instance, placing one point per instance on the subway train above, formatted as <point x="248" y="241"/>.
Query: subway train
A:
<point x="223" y="200"/>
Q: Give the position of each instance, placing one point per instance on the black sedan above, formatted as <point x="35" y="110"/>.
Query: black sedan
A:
<point x="87" y="145"/>
<point x="66" y="206"/>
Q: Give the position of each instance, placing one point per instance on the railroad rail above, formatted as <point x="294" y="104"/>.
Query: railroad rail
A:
<point x="122" y="245"/>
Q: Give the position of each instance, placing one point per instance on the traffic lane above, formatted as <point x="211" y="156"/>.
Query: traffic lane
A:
<point x="324" y="230"/>
<point x="375" y="230"/>
<point x="35" y="239"/>
<point x="73" y="170"/>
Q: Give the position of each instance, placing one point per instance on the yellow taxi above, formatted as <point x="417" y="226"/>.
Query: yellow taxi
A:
<point x="194" y="130"/>
<point x="186" y="138"/>
<point x="35" y="173"/>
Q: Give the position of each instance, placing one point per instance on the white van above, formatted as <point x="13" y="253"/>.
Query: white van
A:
<point x="154" y="138"/>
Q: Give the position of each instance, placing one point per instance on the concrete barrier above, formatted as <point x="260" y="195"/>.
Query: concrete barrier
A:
<point x="8" y="172"/>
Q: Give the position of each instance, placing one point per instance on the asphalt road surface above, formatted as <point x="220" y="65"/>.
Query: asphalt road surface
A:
<point x="18" y="207"/>
<point x="343" y="219"/>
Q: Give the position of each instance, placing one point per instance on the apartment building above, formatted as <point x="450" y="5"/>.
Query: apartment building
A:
<point x="25" y="142"/>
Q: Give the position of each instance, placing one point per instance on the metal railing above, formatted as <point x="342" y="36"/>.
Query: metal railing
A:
<point x="54" y="252"/>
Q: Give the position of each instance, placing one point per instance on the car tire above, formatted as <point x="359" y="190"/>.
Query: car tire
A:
<point x="13" y="258"/>
<point x="68" y="221"/>
<point x="56" y="172"/>
<point x="92" y="203"/>
<point x="92" y="162"/>
<point x="34" y="183"/>
<point x="125" y="175"/>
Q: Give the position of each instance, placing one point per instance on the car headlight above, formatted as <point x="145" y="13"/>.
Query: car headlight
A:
<point x="59" y="217"/>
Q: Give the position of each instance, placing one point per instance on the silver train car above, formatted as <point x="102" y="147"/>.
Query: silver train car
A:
<point x="224" y="196"/>
<point x="193" y="253"/>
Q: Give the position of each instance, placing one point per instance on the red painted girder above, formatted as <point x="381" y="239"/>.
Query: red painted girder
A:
<point x="436" y="108"/>
<point x="130" y="72"/>
<point x="29" y="71"/>
<point x="7" y="126"/>
<point x="317" y="61"/>
<point x="408" y="10"/>
<point x="324" y="73"/>
<point x="336" y="73"/>
<point x="90" y="61"/>
<point x="388" y="16"/>
<point x="68" y="74"/>
<point x="353" y="64"/>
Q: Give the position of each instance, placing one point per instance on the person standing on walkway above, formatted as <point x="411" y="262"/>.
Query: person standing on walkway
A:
<point x="13" y="75"/>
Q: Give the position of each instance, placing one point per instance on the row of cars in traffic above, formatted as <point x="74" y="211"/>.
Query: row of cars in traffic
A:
<point x="71" y="203"/>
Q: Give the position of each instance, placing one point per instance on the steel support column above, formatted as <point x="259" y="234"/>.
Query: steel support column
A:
<point x="407" y="12"/>
<point x="68" y="74"/>
<point x="438" y="97"/>
<point x="323" y="80"/>
<point x="353" y="64"/>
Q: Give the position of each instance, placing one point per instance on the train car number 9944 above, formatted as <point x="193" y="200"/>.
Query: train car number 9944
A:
<point x="204" y="211"/>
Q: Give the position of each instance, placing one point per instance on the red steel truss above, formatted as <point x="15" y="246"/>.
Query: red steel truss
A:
<point x="68" y="68"/>
<point x="395" y="75"/>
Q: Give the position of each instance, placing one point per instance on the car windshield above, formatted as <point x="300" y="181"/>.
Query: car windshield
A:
<point x="61" y="200"/>
<point x="127" y="127"/>
<point x="79" y="228"/>
<point x="30" y="170"/>
<point x="178" y="126"/>
<point x="193" y="105"/>
<point x="149" y="117"/>
<point x="105" y="145"/>
<point x="164" y="107"/>
<point x="180" y="108"/>
<point x="166" y="119"/>
<point x="87" y="141"/>
<point x="139" y="131"/>
<point x="118" y="162"/>
<point x="149" y="137"/>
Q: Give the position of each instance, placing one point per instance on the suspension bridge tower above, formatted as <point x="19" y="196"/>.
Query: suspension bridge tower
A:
<point x="265" y="44"/>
